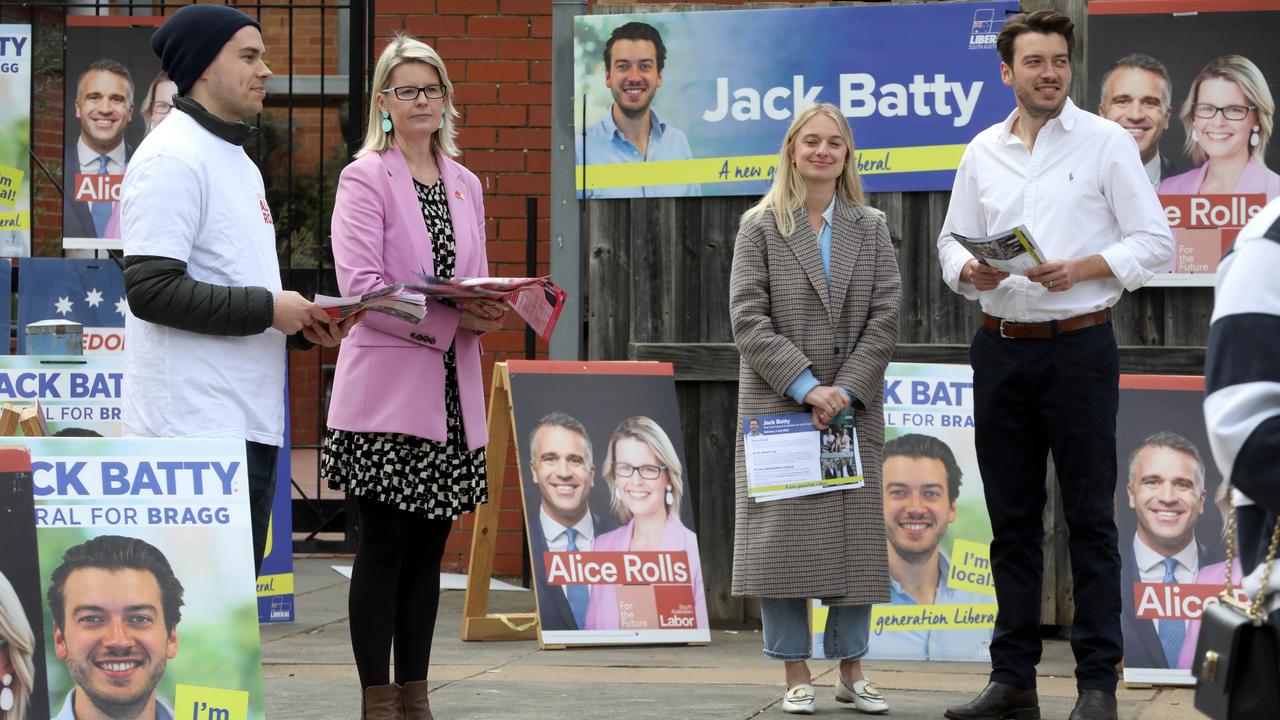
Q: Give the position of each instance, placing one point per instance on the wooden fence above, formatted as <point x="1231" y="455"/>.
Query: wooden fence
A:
<point x="656" y="284"/>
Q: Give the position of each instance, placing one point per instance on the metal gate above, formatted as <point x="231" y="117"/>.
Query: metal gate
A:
<point x="321" y="54"/>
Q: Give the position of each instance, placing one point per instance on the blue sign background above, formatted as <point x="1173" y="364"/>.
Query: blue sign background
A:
<point x="765" y="49"/>
<point x="88" y="291"/>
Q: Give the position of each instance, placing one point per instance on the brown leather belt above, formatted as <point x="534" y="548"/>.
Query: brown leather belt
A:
<point x="1043" y="330"/>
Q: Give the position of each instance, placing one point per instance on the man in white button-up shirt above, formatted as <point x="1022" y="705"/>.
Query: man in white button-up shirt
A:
<point x="1046" y="367"/>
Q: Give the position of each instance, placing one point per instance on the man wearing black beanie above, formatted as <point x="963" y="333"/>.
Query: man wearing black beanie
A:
<point x="208" y="320"/>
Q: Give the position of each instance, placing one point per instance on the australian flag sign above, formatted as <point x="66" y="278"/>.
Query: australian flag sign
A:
<point x="88" y="291"/>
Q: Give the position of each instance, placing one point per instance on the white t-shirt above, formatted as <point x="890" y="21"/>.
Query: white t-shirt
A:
<point x="191" y="196"/>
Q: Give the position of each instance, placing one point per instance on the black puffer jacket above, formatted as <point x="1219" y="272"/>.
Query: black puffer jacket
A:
<point x="160" y="291"/>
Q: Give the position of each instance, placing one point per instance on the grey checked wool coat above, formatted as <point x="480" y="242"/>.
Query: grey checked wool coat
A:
<point x="830" y="546"/>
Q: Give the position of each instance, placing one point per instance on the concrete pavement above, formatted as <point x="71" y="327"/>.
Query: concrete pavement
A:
<point x="310" y="673"/>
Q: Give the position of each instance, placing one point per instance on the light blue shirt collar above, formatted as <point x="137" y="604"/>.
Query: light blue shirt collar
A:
<point x="657" y="126"/>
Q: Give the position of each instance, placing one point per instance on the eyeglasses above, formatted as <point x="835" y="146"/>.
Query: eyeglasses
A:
<point x="160" y="108"/>
<point x="409" y="93"/>
<point x="1205" y="111"/>
<point x="648" y="472"/>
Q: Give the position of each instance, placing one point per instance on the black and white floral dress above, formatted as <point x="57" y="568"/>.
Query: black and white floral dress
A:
<point x="438" y="480"/>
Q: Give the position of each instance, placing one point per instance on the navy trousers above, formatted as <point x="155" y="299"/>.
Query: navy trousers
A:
<point x="1033" y="397"/>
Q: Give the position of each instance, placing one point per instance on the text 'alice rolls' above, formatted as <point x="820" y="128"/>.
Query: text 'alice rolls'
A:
<point x="612" y="568"/>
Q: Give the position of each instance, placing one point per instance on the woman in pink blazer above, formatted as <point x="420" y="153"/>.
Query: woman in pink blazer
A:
<point x="406" y="419"/>
<point x="644" y="476"/>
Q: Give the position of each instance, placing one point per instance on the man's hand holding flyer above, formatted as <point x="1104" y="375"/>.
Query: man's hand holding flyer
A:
<point x="409" y="307"/>
<point x="1012" y="251"/>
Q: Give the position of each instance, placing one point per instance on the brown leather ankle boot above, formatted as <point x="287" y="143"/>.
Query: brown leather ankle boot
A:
<point x="382" y="702"/>
<point x="416" y="705"/>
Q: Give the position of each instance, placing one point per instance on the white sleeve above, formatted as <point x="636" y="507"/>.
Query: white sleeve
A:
<point x="964" y="216"/>
<point x="1146" y="242"/>
<point x="161" y="207"/>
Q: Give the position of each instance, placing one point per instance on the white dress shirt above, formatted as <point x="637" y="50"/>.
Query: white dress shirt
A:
<point x="88" y="158"/>
<point x="1151" y="565"/>
<point x="1153" y="171"/>
<point x="1081" y="191"/>
<point x="558" y="539"/>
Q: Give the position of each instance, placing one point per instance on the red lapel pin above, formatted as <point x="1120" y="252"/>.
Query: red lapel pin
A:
<point x="458" y="194"/>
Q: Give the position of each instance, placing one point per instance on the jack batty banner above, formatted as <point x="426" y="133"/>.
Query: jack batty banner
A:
<point x="122" y="535"/>
<point x="1170" y="512"/>
<point x="606" y="497"/>
<point x="942" y="599"/>
<point x="917" y="82"/>
<point x="15" y="140"/>
<point x="1193" y="81"/>
<point x="79" y="395"/>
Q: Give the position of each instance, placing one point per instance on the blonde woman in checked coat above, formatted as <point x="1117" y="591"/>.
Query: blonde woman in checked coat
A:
<point x="813" y="297"/>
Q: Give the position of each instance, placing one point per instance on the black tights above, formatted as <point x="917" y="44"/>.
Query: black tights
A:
<point x="395" y="591"/>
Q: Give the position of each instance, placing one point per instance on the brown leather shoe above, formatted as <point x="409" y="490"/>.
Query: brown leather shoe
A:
<point x="416" y="705"/>
<point x="1094" y="705"/>
<point x="998" y="701"/>
<point x="382" y="702"/>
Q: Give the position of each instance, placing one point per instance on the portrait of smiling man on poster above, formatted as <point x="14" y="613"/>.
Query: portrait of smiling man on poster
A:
<point x="631" y="131"/>
<point x="115" y="605"/>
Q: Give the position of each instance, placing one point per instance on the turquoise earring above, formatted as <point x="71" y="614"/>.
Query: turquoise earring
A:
<point x="386" y="121"/>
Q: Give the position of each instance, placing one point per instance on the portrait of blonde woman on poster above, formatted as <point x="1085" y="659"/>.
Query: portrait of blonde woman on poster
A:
<point x="1229" y="115"/>
<point x="155" y="108"/>
<point x="813" y="297"/>
<point x="646" y="488"/>
<point x="406" y="422"/>
<point x="17" y="645"/>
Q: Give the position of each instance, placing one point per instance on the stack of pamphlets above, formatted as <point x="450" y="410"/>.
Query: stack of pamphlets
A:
<point x="410" y="307"/>
<point x="538" y="301"/>
<point x="1012" y="251"/>
<point x="788" y="457"/>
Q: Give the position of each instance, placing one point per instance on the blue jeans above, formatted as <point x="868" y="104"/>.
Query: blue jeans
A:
<point x="786" y="630"/>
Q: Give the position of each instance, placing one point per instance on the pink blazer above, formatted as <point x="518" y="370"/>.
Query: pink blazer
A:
<point x="1213" y="574"/>
<point x="602" y="607"/>
<point x="1256" y="178"/>
<point x="390" y="374"/>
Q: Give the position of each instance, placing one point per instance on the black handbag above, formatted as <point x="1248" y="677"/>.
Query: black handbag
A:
<point x="1237" y="662"/>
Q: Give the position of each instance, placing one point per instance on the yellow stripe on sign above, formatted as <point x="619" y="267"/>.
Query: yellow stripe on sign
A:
<point x="818" y="622"/>
<point x="906" y="618"/>
<point x="15" y="220"/>
<point x="193" y="701"/>
<point x="269" y="585"/>
<point x="971" y="568"/>
<point x="10" y="183"/>
<point x="854" y="482"/>
<point x="752" y="168"/>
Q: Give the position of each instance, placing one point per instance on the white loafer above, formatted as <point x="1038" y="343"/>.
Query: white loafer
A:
<point x="864" y="696"/>
<point x="800" y="700"/>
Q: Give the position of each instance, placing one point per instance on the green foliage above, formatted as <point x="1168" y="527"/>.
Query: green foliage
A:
<point x="14" y="137"/>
